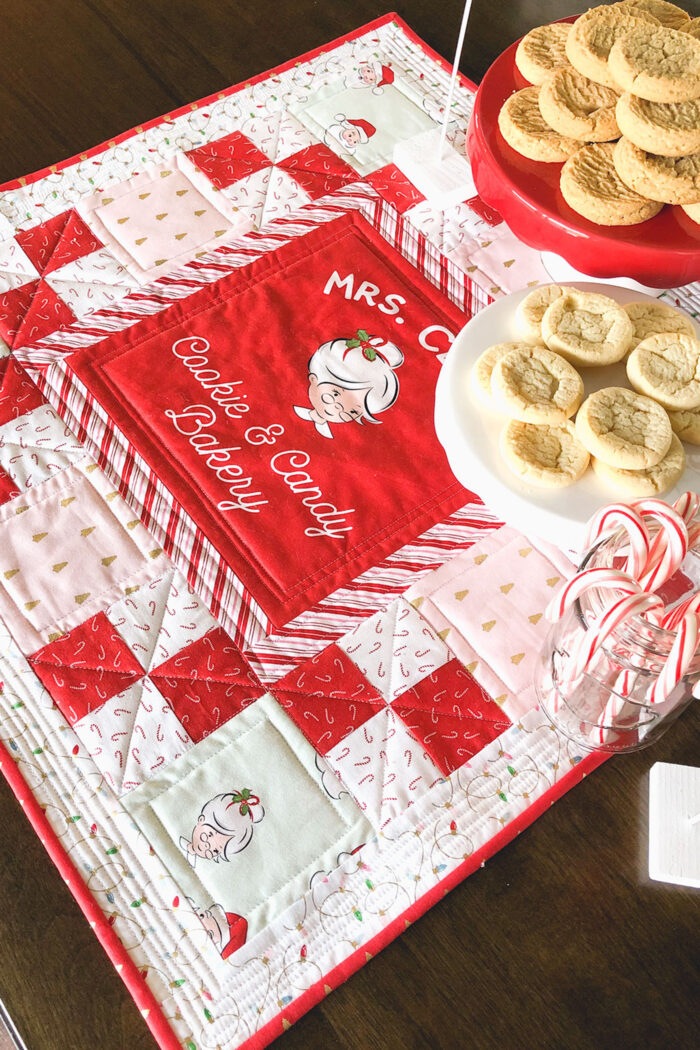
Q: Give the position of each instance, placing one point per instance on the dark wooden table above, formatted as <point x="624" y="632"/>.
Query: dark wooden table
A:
<point x="561" y="942"/>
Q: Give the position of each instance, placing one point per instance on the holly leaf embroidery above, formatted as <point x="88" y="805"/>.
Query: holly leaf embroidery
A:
<point x="352" y="343"/>
<point x="242" y="798"/>
<point x="361" y="334"/>
<point x="370" y="353"/>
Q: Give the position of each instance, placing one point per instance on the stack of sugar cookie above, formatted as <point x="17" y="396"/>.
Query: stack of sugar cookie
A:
<point x="629" y="436"/>
<point x="616" y="98"/>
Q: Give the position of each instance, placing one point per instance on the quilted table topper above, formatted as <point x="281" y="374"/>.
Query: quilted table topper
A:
<point x="267" y="668"/>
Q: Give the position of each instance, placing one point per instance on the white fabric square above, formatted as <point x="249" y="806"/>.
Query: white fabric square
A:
<point x="271" y="193"/>
<point x="132" y="735"/>
<point x="395" y="649"/>
<point x="383" y="767"/>
<point x="91" y="282"/>
<point x="247" y="196"/>
<point x="37" y="445"/>
<point x="278" y="136"/>
<point x="284" y="196"/>
<point x="161" y="618"/>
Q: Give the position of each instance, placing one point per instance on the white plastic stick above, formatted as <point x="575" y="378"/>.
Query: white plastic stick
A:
<point x="455" y="72"/>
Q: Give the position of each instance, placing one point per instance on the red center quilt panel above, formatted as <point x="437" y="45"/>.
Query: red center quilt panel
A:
<point x="282" y="406"/>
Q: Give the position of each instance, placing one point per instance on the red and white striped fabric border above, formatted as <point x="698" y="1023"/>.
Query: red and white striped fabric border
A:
<point x="271" y="654"/>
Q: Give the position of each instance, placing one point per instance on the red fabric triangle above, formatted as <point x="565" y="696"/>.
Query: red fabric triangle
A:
<point x="46" y="313"/>
<point x="207" y="683"/>
<point x="40" y="242"/>
<point x="84" y="668"/>
<point x="76" y="240"/>
<point x="318" y="170"/>
<point x="18" y="393"/>
<point x="393" y="186"/>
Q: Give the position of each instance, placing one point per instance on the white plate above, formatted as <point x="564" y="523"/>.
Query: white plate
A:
<point x="470" y="433"/>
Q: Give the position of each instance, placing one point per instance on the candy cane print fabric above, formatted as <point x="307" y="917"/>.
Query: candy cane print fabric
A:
<point x="395" y="650"/>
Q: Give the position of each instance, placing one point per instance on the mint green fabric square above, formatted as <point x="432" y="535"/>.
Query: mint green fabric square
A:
<point x="242" y="819"/>
<point x="394" y="115"/>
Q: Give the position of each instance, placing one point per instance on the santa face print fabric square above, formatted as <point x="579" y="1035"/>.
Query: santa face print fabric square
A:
<point x="364" y="116"/>
<point x="301" y="381"/>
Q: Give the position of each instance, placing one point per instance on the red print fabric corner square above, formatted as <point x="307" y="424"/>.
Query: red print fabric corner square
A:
<point x="391" y="184"/>
<point x="318" y="170"/>
<point x="76" y="241"/>
<point x="18" y="394"/>
<point x="228" y="159"/>
<point x="327" y="697"/>
<point x="39" y="242"/>
<point x="58" y="241"/>
<point x="452" y="716"/>
<point x="207" y="683"/>
<point x="30" y="312"/>
<point x="86" y="667"/>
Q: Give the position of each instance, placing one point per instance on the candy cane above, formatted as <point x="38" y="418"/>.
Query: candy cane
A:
<point x="674" y="617"/>
<point x="619" y="515"/>
<point x="683" y="650"/>
<point x="649" y="564"/>
<point x="663" y="567"/>
<point x="669" y="546"/>
<point x="582" y="581"/>
<point x="687" y="506"/>
<point x="623" y="609"/>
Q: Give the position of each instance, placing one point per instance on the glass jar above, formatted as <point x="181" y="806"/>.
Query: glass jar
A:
<point x="608" y="707"/>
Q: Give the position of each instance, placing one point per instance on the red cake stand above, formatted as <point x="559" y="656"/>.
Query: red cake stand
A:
<point x="662" y="252"/>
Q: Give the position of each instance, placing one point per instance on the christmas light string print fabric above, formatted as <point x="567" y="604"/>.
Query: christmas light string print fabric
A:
<point x="266" y="666"/>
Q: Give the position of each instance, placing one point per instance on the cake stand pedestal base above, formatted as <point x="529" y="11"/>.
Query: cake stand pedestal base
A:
<point x="563" y="272"/>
